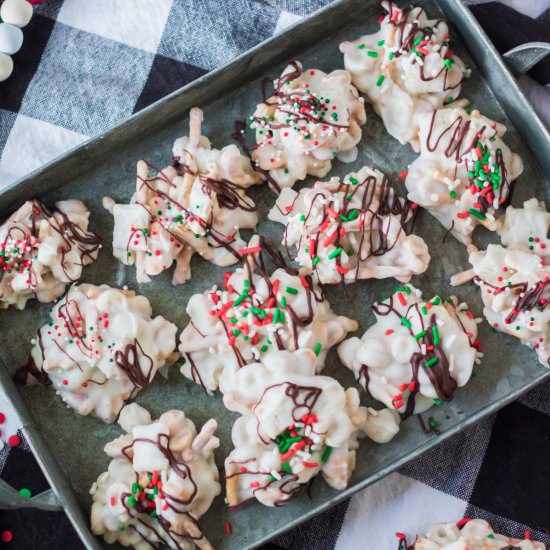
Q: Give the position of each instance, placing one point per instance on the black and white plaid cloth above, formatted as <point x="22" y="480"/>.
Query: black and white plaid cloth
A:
<point x="86" y="65"/>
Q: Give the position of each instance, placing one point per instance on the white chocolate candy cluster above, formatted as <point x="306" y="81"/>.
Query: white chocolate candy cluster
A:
<point x="311" y="119"/>
<point x="197" y="205"/>
<point x="351" y="229"/>
<point x="254" y="313"/>
<point x="100" y="348"/>
<point x="294" y="425"/>
<point x="515" y="279"/>
<point x="418" y="352"/>
<point x="476" y="534"/>
<point x="465" y="171"/>
<point x="14" y="15"/>
<point x="406" y="69"/>
<point x="162" y="478"/>
<point x="41" y="251"/>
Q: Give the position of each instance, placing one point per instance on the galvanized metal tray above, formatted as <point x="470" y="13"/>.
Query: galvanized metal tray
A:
<point x="69" y="447"/>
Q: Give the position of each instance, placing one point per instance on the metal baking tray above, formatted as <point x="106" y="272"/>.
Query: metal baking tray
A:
<point x="69" y="448"/>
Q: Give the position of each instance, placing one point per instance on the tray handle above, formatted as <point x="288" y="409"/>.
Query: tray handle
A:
<point x="10" y="499"/>
<point x="523" y="58"/>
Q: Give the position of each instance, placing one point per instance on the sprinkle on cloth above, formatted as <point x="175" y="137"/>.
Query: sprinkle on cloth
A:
<point x="42" y="250"/>
<point x="417" y="353"/>
<point x="310" y="119"/>
<point x="352" y="229"/>
<point x="467" y="534"/>
<point x="100" y="347"/>
<point x="514" y="278"/>
<point x="162" y="478"/>
<point x="253" y="313"/>
<point x="198" y="204"/>
<point x="465" y="172"/>
<point x="406" y="69"/>
<point x="294" y="425"/>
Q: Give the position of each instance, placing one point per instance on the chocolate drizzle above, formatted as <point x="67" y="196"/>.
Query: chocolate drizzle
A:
<point x="378" y="202"/>
<point x="437" y="371"/>
<point x="408" y="32"/>
<point x="141" y="510"/>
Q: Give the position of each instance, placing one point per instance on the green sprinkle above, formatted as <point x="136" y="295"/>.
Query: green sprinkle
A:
<point x="326" y="454"/>
<point x="452" y="194"/>
<point x="380" y="42"/>
<point x="417" y="40"/>
<point x="264" y="348"/>
<point x="437" y="401"/>
<point x="335" y="253"/>
<point x="121" y="527"/>
<point x="353" y="181"/>
<point x="490" y="536"/>
<point x="390" y="56"/>
<point x="361" y="47"/>
<point x="353" y="214"/>
<point x="134" y="488"/>
<point x="476" y="213"/>
<point x="380" y="80"/>
<point x="25" y="493"/>
<point x="286" y="468"/>
<point x="448" y="63"/>
<point x="316" y="260"/>
<point x="291" y="290"/>
<point x="435" y="332"/>
<point x="283" y="301"/>
<point x="302" y="218"/>
<point x="372" y="54"/>
<point x="405" y="322"/>
<point x="131" y="501"/>
<point x="436" y="300"/>
<point x="420" y="335"/>
<point x="431" y="361"/>
<point x="317" y="349"/>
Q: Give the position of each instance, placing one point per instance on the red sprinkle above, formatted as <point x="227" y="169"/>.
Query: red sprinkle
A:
<point x="7" y="536"/>
<point x="228" y="529"/>
<point x="2" y="418"/>
<point x="461" y="523"/>
<point x="402" y="299"/>
<point x="14" y="440"/>
<point x="401" y="536"/>
<point x="527" y="535"/>
<point x="389" y="331"/>
<point x="251" y="250"/>
<point x="403" y="175"/>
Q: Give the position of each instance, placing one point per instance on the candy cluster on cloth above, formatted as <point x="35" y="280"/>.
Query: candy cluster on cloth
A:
<point x="417" y="353"/>
<point x="475" y="534"/>
<point x="42" y="250"/>
<point x="100" y="347"/>
<point x="406" y="69"/>
<point x="198" y="204"/>
<point x="311" y="119"/>
<point x="351" y="229"/>
<point x="514" y="278"/>
<point x="162" y="478"/>
<point x="294" y="425"/>
<point x="254" y="313"/>
<point x="465" y="172"/>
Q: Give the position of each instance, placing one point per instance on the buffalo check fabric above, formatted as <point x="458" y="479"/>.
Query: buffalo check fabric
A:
<point x="85" y="66"/>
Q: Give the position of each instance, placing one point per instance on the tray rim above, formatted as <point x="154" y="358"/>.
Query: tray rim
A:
<point x="461" y="17"/>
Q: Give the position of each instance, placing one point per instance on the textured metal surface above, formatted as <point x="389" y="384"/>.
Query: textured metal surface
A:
<point x="69" y="447"/>
<point x="523" y="58"/>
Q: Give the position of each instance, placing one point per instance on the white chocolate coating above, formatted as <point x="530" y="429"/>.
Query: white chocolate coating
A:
<point x="311" y="118"/>
<point x="477" y="534"/>
<point x="464" y="172"/>
<point x="197" y="205"/>
<point x="100" y="348"/>
<point x="254" y="313"/>
<point x="515" y="279"/>
<point x="41" y="251"/>
<point x="162" y="478"/>
<point x="406" y="69"/>
<point x="283" y="398"/>
<point x="412" y="356"/>
<point x="351" y="229"/>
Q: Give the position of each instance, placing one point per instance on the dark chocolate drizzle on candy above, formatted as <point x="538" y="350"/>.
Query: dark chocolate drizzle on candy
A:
<point x="132" y="359"/>
<point x="86" y="243"/>
<point x="370" y="192"/>
<point x="177" y="505"/>
<point x="408" y="30"/>
<point x="438" y="373"/>
<point x="458" y="149"/>
<point x="256" y="265"/>
<point x="304" y="399"/>
<point x="226" y="193"/>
